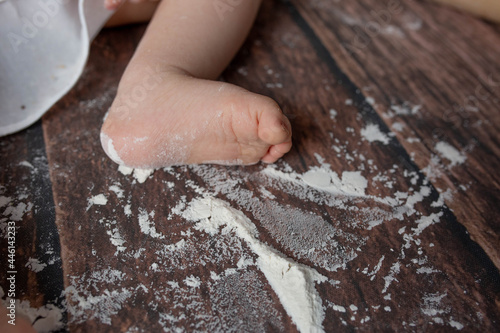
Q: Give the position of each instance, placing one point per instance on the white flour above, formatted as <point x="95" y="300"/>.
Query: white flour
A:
<point x="47" y="318"/>
<point x="35" y="265"/>
<point x="110" y="148"/>
<point x="99" y="200"/>
<point x="373" y="133"/>
<point x="140" y="175"/>
<point x="450" y="153"/>
<point x="147" y="227"/>
<point x="292" y="282"/>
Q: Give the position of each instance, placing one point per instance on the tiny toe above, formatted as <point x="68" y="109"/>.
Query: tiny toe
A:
<point x="275" y="130"/>
<point x="276" y="152"/>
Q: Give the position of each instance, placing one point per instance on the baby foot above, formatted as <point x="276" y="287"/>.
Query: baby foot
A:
<point x="173" y="118"/>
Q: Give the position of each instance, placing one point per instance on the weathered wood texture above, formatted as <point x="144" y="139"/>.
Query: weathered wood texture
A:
<point x="433" y="75"/>
<point x="393" y="256"/>
<point x="26" y="203"/>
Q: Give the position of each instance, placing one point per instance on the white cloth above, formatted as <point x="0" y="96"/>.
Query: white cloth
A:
<point x="44" y="45"/>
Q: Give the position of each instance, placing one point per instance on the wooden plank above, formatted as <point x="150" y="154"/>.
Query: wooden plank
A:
<point x="26" y="203"/>
<point x="433" y="75"/>
<point x="391" y="255"/>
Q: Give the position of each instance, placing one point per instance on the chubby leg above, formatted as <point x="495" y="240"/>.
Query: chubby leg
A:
<point x="169" y="111"/>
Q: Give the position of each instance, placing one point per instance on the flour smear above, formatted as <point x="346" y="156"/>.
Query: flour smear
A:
<point x="292" y="282"/>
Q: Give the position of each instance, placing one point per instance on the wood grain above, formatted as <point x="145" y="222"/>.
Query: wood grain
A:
<point x="417" y="54"/>
<point x="394" y="257"/>
<point x="26" y="193"/>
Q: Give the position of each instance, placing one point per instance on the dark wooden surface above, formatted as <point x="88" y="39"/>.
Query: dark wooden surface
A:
<point x="447" y="70"/>
<point x="311" y="57"/>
